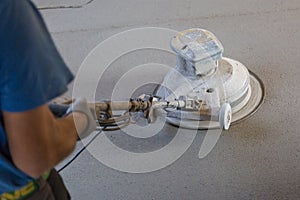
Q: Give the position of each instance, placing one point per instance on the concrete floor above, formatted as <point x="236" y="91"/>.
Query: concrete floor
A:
<point x="256" y="159"/>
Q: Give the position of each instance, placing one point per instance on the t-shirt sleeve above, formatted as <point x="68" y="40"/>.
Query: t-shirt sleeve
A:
<point x="31" y="69"/>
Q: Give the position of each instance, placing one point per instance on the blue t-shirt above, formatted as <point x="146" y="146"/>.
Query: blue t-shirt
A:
<point x="31" y="74"/>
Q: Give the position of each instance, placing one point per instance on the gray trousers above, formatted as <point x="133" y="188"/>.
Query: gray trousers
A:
<point x="51" y="189"/>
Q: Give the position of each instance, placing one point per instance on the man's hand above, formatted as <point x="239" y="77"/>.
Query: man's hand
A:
<point x="83" y="116"/>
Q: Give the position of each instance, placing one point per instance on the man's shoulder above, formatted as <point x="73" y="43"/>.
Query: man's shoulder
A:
<point x="4" y="4"/>
<point x="9" y="6"/>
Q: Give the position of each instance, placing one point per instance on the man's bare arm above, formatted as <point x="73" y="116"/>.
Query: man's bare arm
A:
<point x="37" y="140"/>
